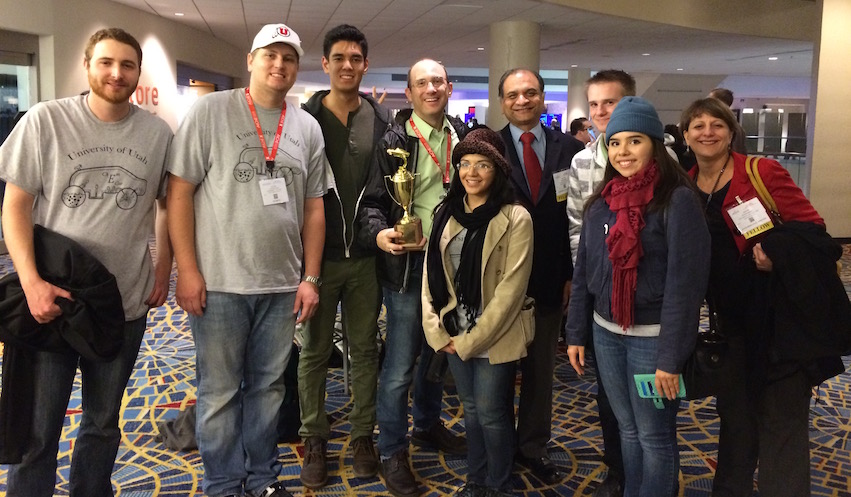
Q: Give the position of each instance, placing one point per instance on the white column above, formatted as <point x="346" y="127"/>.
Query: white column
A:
<point x="829" y="138"/>
<point x="512" y="44"/>
<point x="577" y="101"/>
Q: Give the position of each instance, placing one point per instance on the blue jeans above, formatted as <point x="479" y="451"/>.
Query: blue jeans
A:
<point x="242" y="343"/>
<point x="648" y="435"/>
<point x="404" y="342"/>
<point x="98" y="438"/>
<point x="487" y="393"/>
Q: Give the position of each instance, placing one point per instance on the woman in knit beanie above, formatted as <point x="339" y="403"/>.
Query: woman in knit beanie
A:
<point x="638" y="284"/>
<point x="475" y="310"/>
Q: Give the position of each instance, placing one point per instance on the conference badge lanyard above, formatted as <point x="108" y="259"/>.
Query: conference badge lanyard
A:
<point x="750" y="218"/>
<point x="273" y="190"/>
<point x="444" y="171"/>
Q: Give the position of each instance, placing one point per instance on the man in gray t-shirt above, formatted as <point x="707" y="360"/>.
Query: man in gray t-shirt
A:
<point x="247" y="176"/>
<point x="92" y="168"/>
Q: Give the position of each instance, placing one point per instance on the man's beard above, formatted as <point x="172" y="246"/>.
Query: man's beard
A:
<point x="104" y="91"/>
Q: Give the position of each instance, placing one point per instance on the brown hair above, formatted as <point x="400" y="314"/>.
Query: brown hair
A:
<point x="723" y="95"/>
<point x="713" y="107"/>
<point x="116" y="34"/>
<point x="626" y="81"/>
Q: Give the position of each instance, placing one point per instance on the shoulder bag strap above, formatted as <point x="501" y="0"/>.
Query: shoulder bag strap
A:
<point x="752" y="168"/>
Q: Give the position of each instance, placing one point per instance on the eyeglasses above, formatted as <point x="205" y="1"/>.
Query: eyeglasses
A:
<point x="479" y="166"/>
<point x="436" y="81"/>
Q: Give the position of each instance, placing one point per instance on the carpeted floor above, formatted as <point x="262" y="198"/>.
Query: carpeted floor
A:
<point x="163" y="383"/>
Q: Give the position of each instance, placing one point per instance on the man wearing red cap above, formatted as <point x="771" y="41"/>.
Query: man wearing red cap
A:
<point x="247" y="176"/>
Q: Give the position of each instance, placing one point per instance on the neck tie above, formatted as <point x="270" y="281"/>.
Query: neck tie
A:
<point x="532" y="164"/>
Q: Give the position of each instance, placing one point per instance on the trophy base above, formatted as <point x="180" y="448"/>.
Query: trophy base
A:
<point x="412" y="233"/>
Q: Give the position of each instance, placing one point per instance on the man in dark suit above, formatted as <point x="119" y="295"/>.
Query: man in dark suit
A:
<point x="540" y="158"/>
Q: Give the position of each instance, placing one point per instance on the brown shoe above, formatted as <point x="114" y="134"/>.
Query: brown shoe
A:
<point x="398" y="477"/>
<point x="365" y="460"/>
<point x="438" y="437"/>
<point x="314" y="471"/>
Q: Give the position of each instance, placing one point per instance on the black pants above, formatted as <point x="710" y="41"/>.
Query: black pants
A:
<point x="769" y="426"/>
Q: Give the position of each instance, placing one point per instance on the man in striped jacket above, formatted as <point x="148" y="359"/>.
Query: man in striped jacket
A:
<point x="604" y="90"/>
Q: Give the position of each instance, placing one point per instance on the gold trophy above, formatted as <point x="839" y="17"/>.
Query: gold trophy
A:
<point x="402" y="193"/>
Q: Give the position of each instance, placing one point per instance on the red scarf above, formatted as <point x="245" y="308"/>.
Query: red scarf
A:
<point x="628" y="198"/>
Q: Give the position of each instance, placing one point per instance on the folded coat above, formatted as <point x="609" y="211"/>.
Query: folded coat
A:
<point x="91" y="325"/>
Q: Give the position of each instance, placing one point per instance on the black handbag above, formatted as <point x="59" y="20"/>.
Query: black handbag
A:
<point x="704" y="370"/>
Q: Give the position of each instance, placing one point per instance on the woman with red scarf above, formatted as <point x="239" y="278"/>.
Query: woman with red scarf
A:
<point x="638" y="284"/>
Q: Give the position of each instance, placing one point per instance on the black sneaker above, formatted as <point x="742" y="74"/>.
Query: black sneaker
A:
<point x="610" y="487"/>
<point x="470" y="489"/>
<point x="276" y="489"/>
<point x="495" y="492"/>
<point x="438" y="437"/>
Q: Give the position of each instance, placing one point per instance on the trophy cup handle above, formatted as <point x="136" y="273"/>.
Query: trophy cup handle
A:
<point x="390" y="191"/>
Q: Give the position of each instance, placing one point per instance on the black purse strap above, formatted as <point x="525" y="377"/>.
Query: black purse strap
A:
<point x="714" y="333"/>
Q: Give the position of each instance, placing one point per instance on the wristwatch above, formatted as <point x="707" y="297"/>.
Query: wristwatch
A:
<point x="316" y="280"/>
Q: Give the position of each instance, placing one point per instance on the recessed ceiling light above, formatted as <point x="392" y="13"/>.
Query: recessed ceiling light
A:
<point x="179" y="14"/>
<point x="574" y="65"/>
<point x="679" y="69"/>
<point x="772" y="58"/>
<point x="645" y="54"/>
<point x="481" y="49"/>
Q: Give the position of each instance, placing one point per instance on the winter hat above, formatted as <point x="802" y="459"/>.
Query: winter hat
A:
<point x="277" y="33"/>
<point x="483" y="141"/>
<point x="635" y="114"/>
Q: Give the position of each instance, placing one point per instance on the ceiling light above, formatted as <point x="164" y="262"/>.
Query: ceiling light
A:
<point x="574" y="65"/>
<point x="481" y="49"/>
<point x="679" y="69"/>
<point x="747" y="110"/>
<point x="179" y="14"/>
<point x="772" y="58"/>
<point x="645" y="54"/>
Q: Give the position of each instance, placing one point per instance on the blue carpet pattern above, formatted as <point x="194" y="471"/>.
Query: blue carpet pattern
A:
<point x="164" y="380"/>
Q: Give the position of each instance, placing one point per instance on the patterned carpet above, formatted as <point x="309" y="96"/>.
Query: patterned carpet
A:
<point x="163" y="383"/>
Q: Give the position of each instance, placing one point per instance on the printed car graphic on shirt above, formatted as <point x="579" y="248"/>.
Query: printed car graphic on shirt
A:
<point x="252" y="161"/>
<point x="94" y="182"/>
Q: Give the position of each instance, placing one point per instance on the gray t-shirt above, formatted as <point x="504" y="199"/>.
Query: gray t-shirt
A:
<point x="243" y="246"/>
<point x="95" y="182"/>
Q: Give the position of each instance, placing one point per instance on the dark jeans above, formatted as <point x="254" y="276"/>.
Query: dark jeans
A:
<point x="487" y="393"/>
<point x="612" y="456"/>
<point x="98" y="438"/>
<point x="405" y="342"/>
<point x="769" y="426"/>
<point x="648" y="435"/>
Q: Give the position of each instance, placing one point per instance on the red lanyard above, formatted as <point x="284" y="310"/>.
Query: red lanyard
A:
<point x="269" y="155"/>
<point x="446" y="177"/>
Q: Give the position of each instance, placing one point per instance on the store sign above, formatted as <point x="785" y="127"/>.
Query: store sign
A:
<point x="146" y="95"/>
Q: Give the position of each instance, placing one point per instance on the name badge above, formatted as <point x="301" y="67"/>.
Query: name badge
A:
<point x="560" y="179"/>
<point x="750" y="218"/>
<point x="274" y="191"/>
